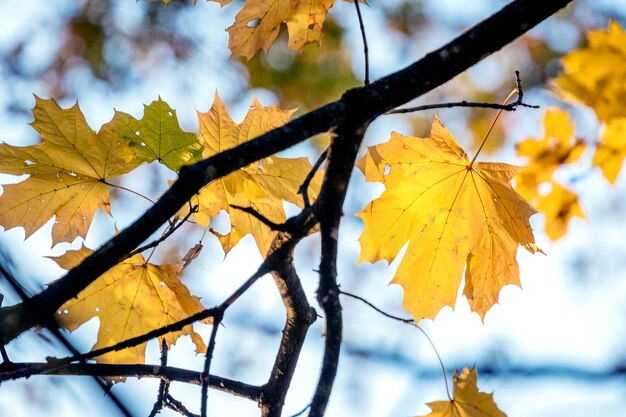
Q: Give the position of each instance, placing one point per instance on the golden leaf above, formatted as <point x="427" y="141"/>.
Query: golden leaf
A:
<point x="131" y="299"/>
<point x="467" y="400"/>
<point x="67" y="172"/>
<point x="452" y="214"/>
<point x="262" y="185"/>
<point x="594" y="75"/>
<point x="611" y="150"/>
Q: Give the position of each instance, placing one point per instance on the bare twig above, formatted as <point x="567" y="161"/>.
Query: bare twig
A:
<point x="206" y="376"/>
<point x="506" y="107"/>
<point x="304" y="188"/>
<point x="366" y="81"/>
<point x="178" y="406"/>
<point x="274" y="226"/>
<point x="170" y="230"/>
<point x="164" y="385"/>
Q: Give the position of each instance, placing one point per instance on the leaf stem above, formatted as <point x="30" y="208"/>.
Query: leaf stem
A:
<point x="410" y="322"/>
<point x="121" y="187"/>
<point x="493" y="123"/>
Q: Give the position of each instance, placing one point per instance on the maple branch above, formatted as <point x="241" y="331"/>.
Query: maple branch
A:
<point x="299" y="317"/>
<point x="366" y="81"/>
<point x="304" y="188"/>
<point x="364" y="103"/>
<point x="168" y="373"/>
<point x="506" y="107"/>
<point x="328" y="210"/>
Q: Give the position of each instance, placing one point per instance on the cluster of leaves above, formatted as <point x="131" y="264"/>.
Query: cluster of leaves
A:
<point x="592" y="76"/>
<point x="69" y="176"/>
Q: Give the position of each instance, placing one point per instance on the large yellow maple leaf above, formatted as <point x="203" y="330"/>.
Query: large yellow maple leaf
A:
<point x="467" y="400"/>
<point x="131" y="299"/>
<point x="262" y="185"/>
<point x="595" y="74"/>
<point x="453" y="214"/>
<point x="258" y="23"/>
<point x="67" y="172"/>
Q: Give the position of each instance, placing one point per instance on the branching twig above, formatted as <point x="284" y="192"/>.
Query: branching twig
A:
<point x="177" y="406"/>
<point x="206" y="376"/>
<point x="506" y="107"/>
<point x="366" y="81"/>
<point x="164" y="385"/>
<point x="278" y="227"/>
<point x="304" y="188"/>
<point x="170" y="230"/>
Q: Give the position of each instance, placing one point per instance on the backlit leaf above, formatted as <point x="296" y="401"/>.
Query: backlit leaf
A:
<point x="467" y="400"/>
<point x="67" y="172"/>
<point x="262" y="186"/>
<point x="452" y="214"/>
<point x="131" y="299"/>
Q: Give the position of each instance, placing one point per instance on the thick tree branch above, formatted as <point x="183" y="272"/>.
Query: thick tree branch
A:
<point x="299" y="317"/>
<point x="375" y="99"/>
<point x="328" y="210"/>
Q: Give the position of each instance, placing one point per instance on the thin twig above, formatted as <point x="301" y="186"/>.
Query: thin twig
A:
<point x="299" y="413"/>
<point x="506" y="107"/>
<point x="365" y="49"/>
<point x="278" y="227"/>
<point x="178" y="406"/>
<point x="164" y="385"/>
<point x="168" y="232"/>
<point x="304" y="188"/>
<point x="410" y="322"/>
<point x="206" y="376"/>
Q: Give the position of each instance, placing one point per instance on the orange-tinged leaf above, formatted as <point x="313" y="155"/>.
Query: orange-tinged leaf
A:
<point x="258" y="23"/>
<point x="451" y="214"/>
<point x="595" y="75"/>
<point x="67" y="172"/>
<point x="467" y="400"/>
<point x="611" y="150"/>
<point x="262" y="186"/>
<point x="131" y="299"/>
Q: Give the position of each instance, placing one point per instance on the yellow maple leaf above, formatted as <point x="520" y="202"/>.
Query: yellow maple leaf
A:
<point x="67" y="172"/>
<point x="594" y="75"/>
<point x="467" y="400"/>
<point x="131" y="299"/>
<point x="611" y="150"/>
<point x="258" y="23"/>
<point x="452" y="213"/>
<point x="262" y="185"/>
<point x="545" y="155"/>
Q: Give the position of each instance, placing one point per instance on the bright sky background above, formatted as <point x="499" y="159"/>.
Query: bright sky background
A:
<point x="570" y="312"/>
